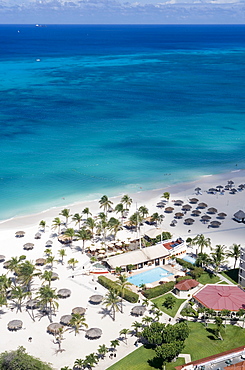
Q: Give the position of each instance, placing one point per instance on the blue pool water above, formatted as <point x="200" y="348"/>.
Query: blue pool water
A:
<point x="189" y="259"/>
<point x="149" y="276"/>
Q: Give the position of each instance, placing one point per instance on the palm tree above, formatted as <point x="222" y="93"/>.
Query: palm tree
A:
<point x="102" y="216"/>
<point x="91" y="225"/>
<point x="147" y="320"/>
<point x="70" y="233"/>
<point x="76" y="322"/>
<point x="62" y="254"/>
<point x="203" y="259"/>
<point x="79" y="364"/>
<point x="86" y="211"/>
<point x="225" y="313"/>
<point x="50" y="261"/>
<point x="155" y="217"/>
<point x="241" y="313"/>
<point x="72" y="262"/>
<point x="5" y="285"/>
<point x="234" y="252"/>
<point x="65" y="213"/>
<point x="48" y="252"/>
<point x="56" y="224"/>
<point x="26" y="272"/>
<point x="120" y="208"/>
<point x="136" y="219"/>
<point x="114" y="225"/>
<point x="127" y="201"/>
<point x="166" y="195"/>
<point x="83" y="235"/>
<point x="201" y="242"/>
<point x="59" y="337"/>
<point x="112" y="300"/>
<point x="3" y="299"/>
<point x="90" y="360"/>
<point x="47" y="276"/>
<point x="114" y="343"/>
<point x="47" y="299"/>
<point x="102" y="351"/>
<point x="218" y="322"/>
<point x="157" y="314"/>
<point x="105" y="203"/>
<point x="18" y="295"/>
<point x="143" y="211"/>
<point x="122" y="281"/>
<point x="14" y="262"/>
<point x="42" y="223"/>
<point x="124" y="332"/>
<point x="118" y="270"/>
<point x="218" y="256"/>
<point x="136" y="325"/>
<point x="77" y="218"/>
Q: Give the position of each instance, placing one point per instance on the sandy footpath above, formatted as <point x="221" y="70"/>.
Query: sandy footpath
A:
<point x="82" y="286"/>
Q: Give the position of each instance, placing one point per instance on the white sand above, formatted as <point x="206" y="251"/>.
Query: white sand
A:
<point x="83" y="287"/>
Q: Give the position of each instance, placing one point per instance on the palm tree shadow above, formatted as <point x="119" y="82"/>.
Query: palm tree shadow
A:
<point x="105" y="312"/>
<point x="78" y="248"/>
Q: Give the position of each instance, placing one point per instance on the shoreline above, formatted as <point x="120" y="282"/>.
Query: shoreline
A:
<point x="32" y="218"/>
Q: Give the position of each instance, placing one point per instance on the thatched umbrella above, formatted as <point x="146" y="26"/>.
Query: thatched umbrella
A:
<point x="178" y="202"/>
<point x="186" y="207"/>
<point x="54" y="328"/>
<point x="96" y="299"/>
<point x="64" y="293"/>
<point x="40" y="261"/>
<point x="212" y="190"/>
<point x="19" y="234"/>
<point x="196" y="212"/>
<point x="212" y="210"/>
<point x="28" y="246"/>
<point x="55" y="276"/>
<point x="230" y="183"/>
<point x="65" y="319"/>
<point x="219" y="187"/>
<point x="215" y="223"/>
<point x="222" y="215"/>
<point x="206" y="218"/>
<point x="198" y="189"/>
<point x="179" y="215"/>
<point x="202" y="205"/>
<point x="38" y="236"/>
<point x="169" y="209"/>
<point x="93" y="333"/>
<point x="241" y="186"/>
<point x="189" y="221"/>
<point x="227" y="187"/>
<point x="138" y="310"/>
<point x="49" y="243"/>
<point x="161" y="204"/>
<point x="2" y="258"/>
<point x="15" y="325"/>
<point x="78" y="310"/>
<point x="193" y="200"/>
<point x="32" y="303"/>
<point x="233" y="191"/>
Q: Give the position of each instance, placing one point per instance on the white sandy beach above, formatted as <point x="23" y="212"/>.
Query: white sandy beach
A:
<point x="83" y="286"/>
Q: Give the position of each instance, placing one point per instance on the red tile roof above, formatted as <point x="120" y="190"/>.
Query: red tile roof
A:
<point x="220" y="297"/>
<point x="186" y="284"/>
<point x="238" y="366"/>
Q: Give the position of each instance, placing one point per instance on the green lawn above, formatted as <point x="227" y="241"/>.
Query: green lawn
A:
<point x="207" y="278"/>
<point x="137" y="360"/>
<point x="200" y="344"/>
<point x="172" y="311"/>
<point x="223" y="282"/>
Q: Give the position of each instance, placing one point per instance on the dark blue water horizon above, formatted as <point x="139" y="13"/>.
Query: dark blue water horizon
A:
<point x="93" y="109"/>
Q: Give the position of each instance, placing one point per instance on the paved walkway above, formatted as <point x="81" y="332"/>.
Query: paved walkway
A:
<point x="186" y="356"/>
<point x="225" y="279"/>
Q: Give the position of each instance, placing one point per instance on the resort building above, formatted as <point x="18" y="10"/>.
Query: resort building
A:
<point x="186" y="288"/>
<point x="154" y="255"/>
<point x="220" y="297"/>
<point x="228" y="360"/>
<point x="241" y="272"/>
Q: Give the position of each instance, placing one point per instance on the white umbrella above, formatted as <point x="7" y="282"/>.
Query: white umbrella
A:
<point x="102" y="251"/>
<point x="148" y="285"/>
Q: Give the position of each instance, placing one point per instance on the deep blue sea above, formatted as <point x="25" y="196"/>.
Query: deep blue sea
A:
<point x="93" y="110"/>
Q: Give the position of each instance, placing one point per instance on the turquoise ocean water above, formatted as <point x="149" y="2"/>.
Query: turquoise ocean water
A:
<point x="88" y="110"/>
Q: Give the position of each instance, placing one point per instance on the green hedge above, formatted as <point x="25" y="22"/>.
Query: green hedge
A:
<point x="159" y="290"/>
<point x="185" y="264"/>
<point x="109" y="284"/>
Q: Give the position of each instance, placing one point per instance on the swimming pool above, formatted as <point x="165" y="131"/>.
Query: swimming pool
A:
<point x="189" y="259"/>
<point x="149" y="276"/>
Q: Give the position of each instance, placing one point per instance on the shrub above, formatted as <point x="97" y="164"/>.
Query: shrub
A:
<point x="159" y="290"/>
<point x="109" y="284"/>
<point x="180" y="278"/>
<point x="185" y="264"/>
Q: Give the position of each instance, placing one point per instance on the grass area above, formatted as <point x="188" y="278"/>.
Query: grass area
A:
<point x="231" y="275"/>
<point x="137" y="360"/>
<point x="223" y="283"/>
<point x="171" y="311"/>
<point x="207" y="278"/>
<point x="200" y="344"/>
